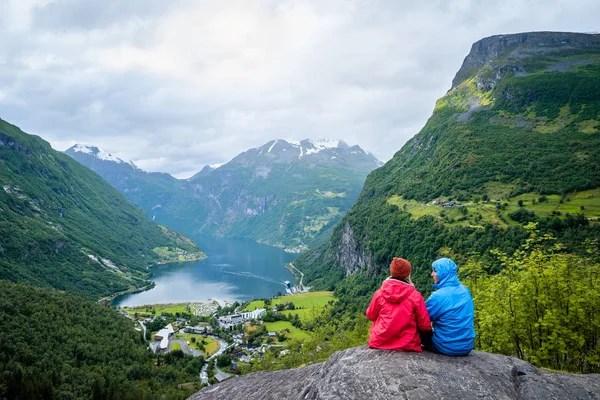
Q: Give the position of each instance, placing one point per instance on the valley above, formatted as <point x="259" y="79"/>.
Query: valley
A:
<point x="283" y="193"/>
<point x="504" y="178"/>
<point x="221" y="334"/>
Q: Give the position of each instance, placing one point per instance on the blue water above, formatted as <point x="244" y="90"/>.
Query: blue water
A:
<point x="233" y="270"/>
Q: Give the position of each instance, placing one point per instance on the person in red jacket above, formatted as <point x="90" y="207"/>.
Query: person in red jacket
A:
<point x="398" y="312"/>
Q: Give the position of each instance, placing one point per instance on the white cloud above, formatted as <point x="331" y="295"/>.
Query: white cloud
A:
<point x="177" y="85"/>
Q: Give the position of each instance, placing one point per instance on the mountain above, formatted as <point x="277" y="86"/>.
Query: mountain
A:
<point x="140" y="187"/>
<point x="63" y="226"/>
<point x="516" y="139"/>
<point x="288" y="194"/>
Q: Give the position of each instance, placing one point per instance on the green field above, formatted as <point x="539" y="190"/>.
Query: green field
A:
<point x="253" y="305"/>
<point x="175" y="346"/>
<point x="308" y="300"/>
<point x="295" y="333"/>
<point x="478" y="213"/>
<point x="146" y="311"/>
<point x="306" y="303"/>
<point x="303" y="313"/>
<point x="209" y="349"/>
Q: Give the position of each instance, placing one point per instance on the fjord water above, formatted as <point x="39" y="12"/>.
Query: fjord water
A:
<point x="233" y="270"/>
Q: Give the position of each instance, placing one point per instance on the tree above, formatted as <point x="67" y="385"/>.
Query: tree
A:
<point x="543" y="307"/>
<point x="223" y="360"/>
<point x="520" y="203"/>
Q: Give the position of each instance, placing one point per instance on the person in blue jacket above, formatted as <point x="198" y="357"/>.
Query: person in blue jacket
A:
<point x="451" y="311"/>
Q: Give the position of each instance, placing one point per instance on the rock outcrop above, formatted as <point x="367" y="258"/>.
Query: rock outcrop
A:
<point x="520" y="45"/>
<point x="362" y="373"/>
<point x="351" y="255"/>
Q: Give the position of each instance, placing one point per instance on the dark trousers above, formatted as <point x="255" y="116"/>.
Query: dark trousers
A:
<point x="427" y="342"/>
<point x="428" y="345"/>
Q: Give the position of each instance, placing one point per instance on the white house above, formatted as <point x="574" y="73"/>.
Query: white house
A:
<point x="163" y="336"/>
<point x="227" y="321"/>
<point x="256" y="314"/>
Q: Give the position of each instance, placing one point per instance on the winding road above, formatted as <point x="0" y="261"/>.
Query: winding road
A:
<point x="222" y="375"/>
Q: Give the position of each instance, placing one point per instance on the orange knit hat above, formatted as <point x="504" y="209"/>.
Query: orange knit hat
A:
<point x="400" y="268"/>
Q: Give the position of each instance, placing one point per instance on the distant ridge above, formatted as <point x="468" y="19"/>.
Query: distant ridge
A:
<point x="284" y="193"/>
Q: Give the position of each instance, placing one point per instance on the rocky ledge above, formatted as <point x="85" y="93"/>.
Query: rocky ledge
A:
<point x="362" y="373"/>
<point x="521" y="45"/>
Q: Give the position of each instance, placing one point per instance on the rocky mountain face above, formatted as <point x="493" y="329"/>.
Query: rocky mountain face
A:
<point x="494" y="51"/>
<point x="362" y="373"/>
<point x="63" y="226"/>
<point x="522" y="119"/>
<point x="288" y="194"/>
<point x="143" y="188"/>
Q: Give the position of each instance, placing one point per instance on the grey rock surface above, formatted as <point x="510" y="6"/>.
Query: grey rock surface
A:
<point x="520" y="45"/>
<point x="362" y="373"/>
<point x="351" y="255"/>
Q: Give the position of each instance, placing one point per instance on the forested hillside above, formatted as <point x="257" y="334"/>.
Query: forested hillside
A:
<point x="515" y="140"/>
<point x="59" y="346"/>
<point x="63" y="226"/>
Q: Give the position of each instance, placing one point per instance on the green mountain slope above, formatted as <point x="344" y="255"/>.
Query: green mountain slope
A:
<point x="145" y="189"/>
<point x="521" y="122"/>
<point x="282" y="193"/>
<point x="60" y="346"/>
<point x="62" y="226"/>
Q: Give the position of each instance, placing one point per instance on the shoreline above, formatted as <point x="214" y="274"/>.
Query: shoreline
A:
<point x="108" y="299"/>
<point x="164" y="262"/>
<point x="163" y="304"/>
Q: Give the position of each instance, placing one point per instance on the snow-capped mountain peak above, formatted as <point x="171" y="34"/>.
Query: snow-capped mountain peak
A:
<point x="99" y="154"/>
<point x="307" y="147"/>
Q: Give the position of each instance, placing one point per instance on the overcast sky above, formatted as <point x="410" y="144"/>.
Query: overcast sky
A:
<point x="174" y="85"/>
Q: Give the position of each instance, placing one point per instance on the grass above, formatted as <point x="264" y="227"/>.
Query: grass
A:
<point x="146" y="311"/>
<point x="210" y="347"/>
<point x="481" y="213"/>
<point x="295" y="333"/>
<point x="308" y="300"/>
<point x="316" y="223"/>
<point x="175" y="346"/>
<point x="498" y="191"/>
<point x="303" y="313"/>
<point x="253" y="305"/>
<point x="307" y="304"/>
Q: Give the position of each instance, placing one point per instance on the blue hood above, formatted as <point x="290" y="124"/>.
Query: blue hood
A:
<point x="447" y="273"/>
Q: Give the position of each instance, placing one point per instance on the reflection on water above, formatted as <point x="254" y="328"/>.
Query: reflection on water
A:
<point x="234" y="270"/>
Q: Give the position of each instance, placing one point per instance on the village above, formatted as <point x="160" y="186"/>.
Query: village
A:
<point x="229" y="337"/>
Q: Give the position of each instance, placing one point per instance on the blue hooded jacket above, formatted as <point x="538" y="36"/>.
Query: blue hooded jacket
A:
<point x="451" y="311"/>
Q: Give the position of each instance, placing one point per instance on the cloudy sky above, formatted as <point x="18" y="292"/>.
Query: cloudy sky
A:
<point x="177" y="84"/>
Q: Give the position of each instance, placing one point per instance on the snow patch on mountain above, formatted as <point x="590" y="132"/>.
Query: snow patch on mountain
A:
<point x="273" y="145"/>
<point x="100" y="154"/>
<point x="323" y="144"/>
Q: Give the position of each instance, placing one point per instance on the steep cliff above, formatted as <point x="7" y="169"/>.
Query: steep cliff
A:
<point x="362" y="373"/>
<point x="520" y="123"/>
<point x="490" y="50"/>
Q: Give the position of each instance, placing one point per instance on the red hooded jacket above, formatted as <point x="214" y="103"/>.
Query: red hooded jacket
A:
<point x="398" y="313"/>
